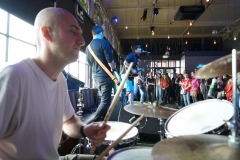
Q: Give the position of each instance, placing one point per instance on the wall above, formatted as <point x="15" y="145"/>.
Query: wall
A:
<point x="193" y="59"/>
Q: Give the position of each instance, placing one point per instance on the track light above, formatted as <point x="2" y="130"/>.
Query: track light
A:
<point x="152" y="30"/>
<point x="144" y="15"/>
<point x="115" y="19"/>
<point x="155" y="11"/>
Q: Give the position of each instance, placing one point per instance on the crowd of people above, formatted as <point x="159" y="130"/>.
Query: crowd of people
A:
<point x="183" y="89"/>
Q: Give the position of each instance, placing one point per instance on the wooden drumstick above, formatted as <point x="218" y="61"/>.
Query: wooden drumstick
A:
<point x="119" y="139"/>
<point x="114" y="101"/>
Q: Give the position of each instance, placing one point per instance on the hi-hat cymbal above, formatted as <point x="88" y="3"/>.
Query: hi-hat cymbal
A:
<point x="195" y="147"/>
<point x="148" y="111"/>
<point x="219" y="67"/>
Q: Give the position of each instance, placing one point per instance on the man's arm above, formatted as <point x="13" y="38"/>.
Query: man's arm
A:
<point x="127" y="65"/>
<point x="94" y="131"/>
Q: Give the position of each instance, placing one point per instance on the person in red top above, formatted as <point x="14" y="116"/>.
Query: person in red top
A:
<point x="229" y="91"/>
<point x="186" y="85"/>
<point x="165" y="83"/>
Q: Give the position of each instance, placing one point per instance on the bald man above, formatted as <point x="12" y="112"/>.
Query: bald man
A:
<point x="34" y="101"/>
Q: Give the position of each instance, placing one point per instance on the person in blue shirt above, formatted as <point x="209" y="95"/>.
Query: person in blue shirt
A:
<point x="132" y="57"/>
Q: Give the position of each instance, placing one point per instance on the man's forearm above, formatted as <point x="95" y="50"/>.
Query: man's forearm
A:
<point x="72" y="127"/>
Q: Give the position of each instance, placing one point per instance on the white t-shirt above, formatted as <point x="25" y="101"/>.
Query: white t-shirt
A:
<point x="32" y="111"/>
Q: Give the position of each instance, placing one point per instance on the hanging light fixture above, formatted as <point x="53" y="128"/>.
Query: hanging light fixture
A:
<point x="214" y="42"/>
<point x="115" y="19"/>
<point x="188" y="33"/>
<point x="155" y="11"/>
<point x="168" y="36"/>
<point x="186" y="42"/>
<point x="152" y="30"/>
<point x="235" y="38"/>
<point x="166" y="55"/>
<point x="126" y="16"/>
<point x="190" y="24"/>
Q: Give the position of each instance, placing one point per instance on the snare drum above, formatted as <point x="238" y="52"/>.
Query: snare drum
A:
<point x="117" y="129"/>
<point x="131" y="153"/>
<point x="199" y="118"/>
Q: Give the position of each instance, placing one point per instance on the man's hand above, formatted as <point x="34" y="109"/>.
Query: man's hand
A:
<point x="96" y="133"/>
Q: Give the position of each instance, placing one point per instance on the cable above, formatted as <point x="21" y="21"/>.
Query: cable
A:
<point x="144" y="124"/>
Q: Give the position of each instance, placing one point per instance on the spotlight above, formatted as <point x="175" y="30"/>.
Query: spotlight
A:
<point x="115" y="19"/>
<point x="155" y="11"/>
<point x="144" y="15"/>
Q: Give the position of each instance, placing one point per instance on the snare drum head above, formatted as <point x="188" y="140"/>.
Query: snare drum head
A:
<point x="118" y="128"/>
<point x="198" y="118"/>
<point x="132" y="153"/>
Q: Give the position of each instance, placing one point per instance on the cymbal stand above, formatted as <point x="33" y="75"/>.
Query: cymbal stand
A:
<point x="161" y="131"/>
<point x="234" y="140"/>
<point x="80" y="105"/>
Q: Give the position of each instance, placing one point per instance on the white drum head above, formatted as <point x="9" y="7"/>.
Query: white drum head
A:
<point x="198" y="118"/>
<point x="118" y="128"/>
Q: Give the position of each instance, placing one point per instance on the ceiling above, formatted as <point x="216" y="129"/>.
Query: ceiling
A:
<point x="221" y="15"/>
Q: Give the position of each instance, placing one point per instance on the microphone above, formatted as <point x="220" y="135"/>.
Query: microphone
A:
<point x="145" y="52"/>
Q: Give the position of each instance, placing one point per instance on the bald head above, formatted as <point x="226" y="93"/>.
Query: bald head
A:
<point x="49" y="17"/>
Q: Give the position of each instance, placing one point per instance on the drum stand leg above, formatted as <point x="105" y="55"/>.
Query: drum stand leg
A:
<point x="161" y="131"/>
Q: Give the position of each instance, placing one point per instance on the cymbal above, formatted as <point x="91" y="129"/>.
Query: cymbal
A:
<point x="148" y="111"/>
<point x="219" y="67"/>
<point x="195" y="147"/>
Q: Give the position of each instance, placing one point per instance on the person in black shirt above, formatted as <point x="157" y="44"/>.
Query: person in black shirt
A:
<point x="150" y="89"/>
<point x="103" y="82"/>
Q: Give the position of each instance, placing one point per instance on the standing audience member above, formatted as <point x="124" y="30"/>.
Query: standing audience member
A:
<point x="186" y="86"/>
<point x="204" y="86"/>
<point x="158" y="87"/>
<point x="178" y="88"/>
<point x="173" y="87"/>
<point x="103" y="82"/>
<point x="165" y="84"/>
<point x="150" y="89"/>
<point x="194" y="88"/>
<point x="34" y="103"/>
<point x="132" y="57"/>
<point x="228" y="88"/>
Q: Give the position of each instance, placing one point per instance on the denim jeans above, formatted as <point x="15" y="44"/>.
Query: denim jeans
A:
<point x="186" y="98"/>
<point x="104" y="85"/>
<point x="158" y="93"/>
<point x="142" y="91"/>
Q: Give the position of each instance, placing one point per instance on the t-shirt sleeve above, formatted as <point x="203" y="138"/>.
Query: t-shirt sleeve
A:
<point x="8" y="101"/>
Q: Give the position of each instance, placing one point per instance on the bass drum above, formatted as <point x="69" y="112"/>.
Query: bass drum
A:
<point x="204" y="117"/>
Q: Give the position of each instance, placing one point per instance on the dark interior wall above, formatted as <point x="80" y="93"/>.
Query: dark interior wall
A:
<point x="28" y="9"/>
<point x="193" y="59"/>
<point x="228" y="45"/>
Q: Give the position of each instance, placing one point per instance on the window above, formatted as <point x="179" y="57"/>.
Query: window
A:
<point x="3" y="24"/>
<point x="2" y="49"/>
<point x="21" y="30"/>
<point x="18" y="50"/>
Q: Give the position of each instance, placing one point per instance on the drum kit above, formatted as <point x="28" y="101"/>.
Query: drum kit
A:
<point x="197" y="131"/>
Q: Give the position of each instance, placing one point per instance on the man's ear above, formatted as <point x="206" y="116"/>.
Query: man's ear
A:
<point x="46" y="32"/>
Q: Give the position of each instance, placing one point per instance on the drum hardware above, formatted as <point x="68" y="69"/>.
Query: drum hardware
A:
<point x="207" y="147"/>
<point x="151" y="111"/>
<point x="80" y="106"/>
<point x="161" y="131"/>
<point x="203" y="117"/>
<point x="119" y="138"/>
<point x="78" y="146"/>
